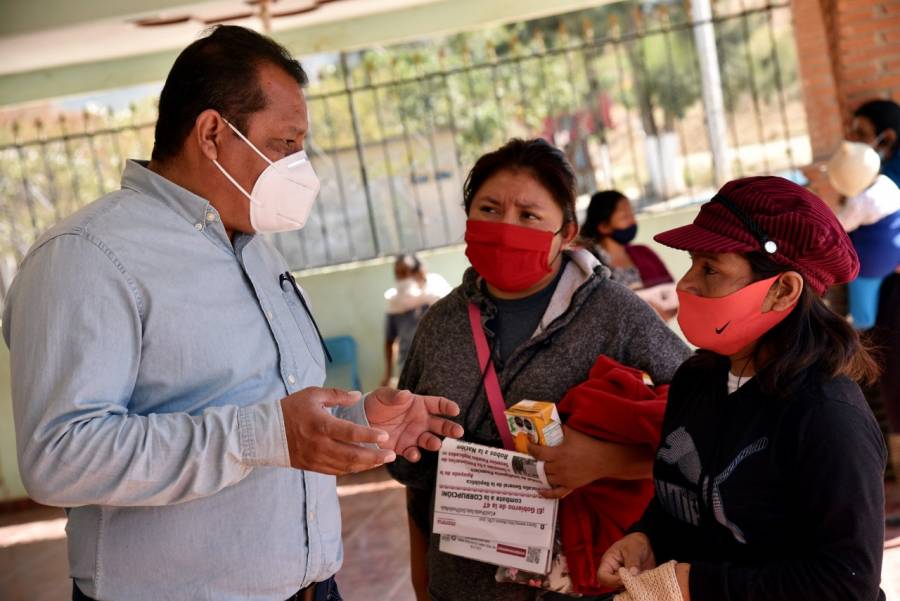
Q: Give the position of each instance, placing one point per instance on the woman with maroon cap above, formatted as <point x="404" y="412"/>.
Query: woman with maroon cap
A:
<point x="769" y="473"/>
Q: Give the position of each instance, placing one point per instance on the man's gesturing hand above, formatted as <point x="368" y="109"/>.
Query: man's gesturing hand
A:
<point x="319" y="442"/>
<point x="411" y="420"/>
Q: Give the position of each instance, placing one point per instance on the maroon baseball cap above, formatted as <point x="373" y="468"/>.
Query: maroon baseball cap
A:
<point x="778" y="218"/>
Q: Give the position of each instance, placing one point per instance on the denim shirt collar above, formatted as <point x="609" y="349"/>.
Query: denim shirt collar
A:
<point x="197" y="211"/>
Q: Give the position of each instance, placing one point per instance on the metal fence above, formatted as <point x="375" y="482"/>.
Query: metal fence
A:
<point x="394" y="130"/>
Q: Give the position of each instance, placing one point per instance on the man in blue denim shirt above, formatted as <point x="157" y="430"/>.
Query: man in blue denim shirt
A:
<point x="165" y="365"/>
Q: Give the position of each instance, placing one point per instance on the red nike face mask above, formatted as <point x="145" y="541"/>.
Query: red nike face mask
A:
<point x="727" y="324"/>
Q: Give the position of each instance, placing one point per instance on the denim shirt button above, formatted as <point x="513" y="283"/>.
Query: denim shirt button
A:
<point x="292" y="380"/>
<point x="198" y="226"/>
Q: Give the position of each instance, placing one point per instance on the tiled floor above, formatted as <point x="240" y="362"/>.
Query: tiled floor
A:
<point x="33" y="563"/>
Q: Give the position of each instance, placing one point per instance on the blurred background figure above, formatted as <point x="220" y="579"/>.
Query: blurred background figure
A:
<point x="607" y="233"/>
<point x="414" y="291"/>
<point x="871" y="215"/>
<point x="877" y="124"/>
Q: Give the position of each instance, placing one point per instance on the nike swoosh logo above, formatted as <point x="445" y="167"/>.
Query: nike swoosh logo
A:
<point x="722" y="329"/>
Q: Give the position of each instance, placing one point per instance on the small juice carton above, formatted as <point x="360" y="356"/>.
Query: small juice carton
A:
<point x="536" y="422"/>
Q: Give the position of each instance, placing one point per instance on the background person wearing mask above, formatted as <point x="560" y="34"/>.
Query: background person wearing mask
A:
<point x="877" y="123"/>
<point x="871" y="214"/>
<point x="607" y="232"/>
<point x="166" y="368"/>
<point x="769" y="475"/>
<point x="548" y="312"/>
<point x="407" y="301"/>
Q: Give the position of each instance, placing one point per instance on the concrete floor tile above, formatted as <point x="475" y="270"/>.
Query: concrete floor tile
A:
<point x="376" y="547"/>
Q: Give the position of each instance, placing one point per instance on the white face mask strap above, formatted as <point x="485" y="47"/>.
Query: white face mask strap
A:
<point x="879" y="139"/>
<point x="232" y="180"/>
<point x="244" y="138"/>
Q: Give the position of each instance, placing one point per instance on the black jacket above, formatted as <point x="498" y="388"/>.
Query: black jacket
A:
<point x="769" y="498"/>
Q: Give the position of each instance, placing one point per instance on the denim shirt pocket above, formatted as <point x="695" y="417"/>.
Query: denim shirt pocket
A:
<point x="305" y="325"/>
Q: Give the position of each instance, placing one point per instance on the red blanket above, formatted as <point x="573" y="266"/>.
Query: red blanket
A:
<point x="614" y="404"/>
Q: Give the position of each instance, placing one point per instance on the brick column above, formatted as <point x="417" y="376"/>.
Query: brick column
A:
<point x="817" y="72"/>
<point x="848" y="52"/>
<point x="868" y="50"/>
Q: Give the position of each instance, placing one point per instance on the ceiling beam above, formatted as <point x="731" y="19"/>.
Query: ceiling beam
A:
<point x="443" y="16"/>
<point x="71" y="80"/>
<point x="18" y="17"/>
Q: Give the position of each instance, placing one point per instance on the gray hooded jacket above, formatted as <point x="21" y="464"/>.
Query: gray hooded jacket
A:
<point x="588" y="315"/>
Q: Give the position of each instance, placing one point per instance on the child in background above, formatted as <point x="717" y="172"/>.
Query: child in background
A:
<point x="415" y="290"/>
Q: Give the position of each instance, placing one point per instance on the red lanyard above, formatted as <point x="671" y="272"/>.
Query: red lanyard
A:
<point x="491" y="383"/>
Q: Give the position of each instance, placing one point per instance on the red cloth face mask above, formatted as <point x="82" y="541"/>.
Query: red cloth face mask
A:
<point x="727" y="324"/>
<point x="509" y="257"/>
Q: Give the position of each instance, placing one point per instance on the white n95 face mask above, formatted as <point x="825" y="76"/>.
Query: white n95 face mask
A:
<point x="284" y="193"/>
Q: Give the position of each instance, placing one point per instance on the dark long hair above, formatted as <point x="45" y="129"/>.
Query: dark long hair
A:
<point x="603" y="205"/>
<point x="812" y="336"/>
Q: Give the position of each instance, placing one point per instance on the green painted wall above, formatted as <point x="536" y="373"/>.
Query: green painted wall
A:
<point x="10" y="483"/>
<point x="346" y="300"/>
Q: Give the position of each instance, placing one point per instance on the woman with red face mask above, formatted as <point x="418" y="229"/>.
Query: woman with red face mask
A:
<point x="546" y="311"/>
<point x="769" y="475"/>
